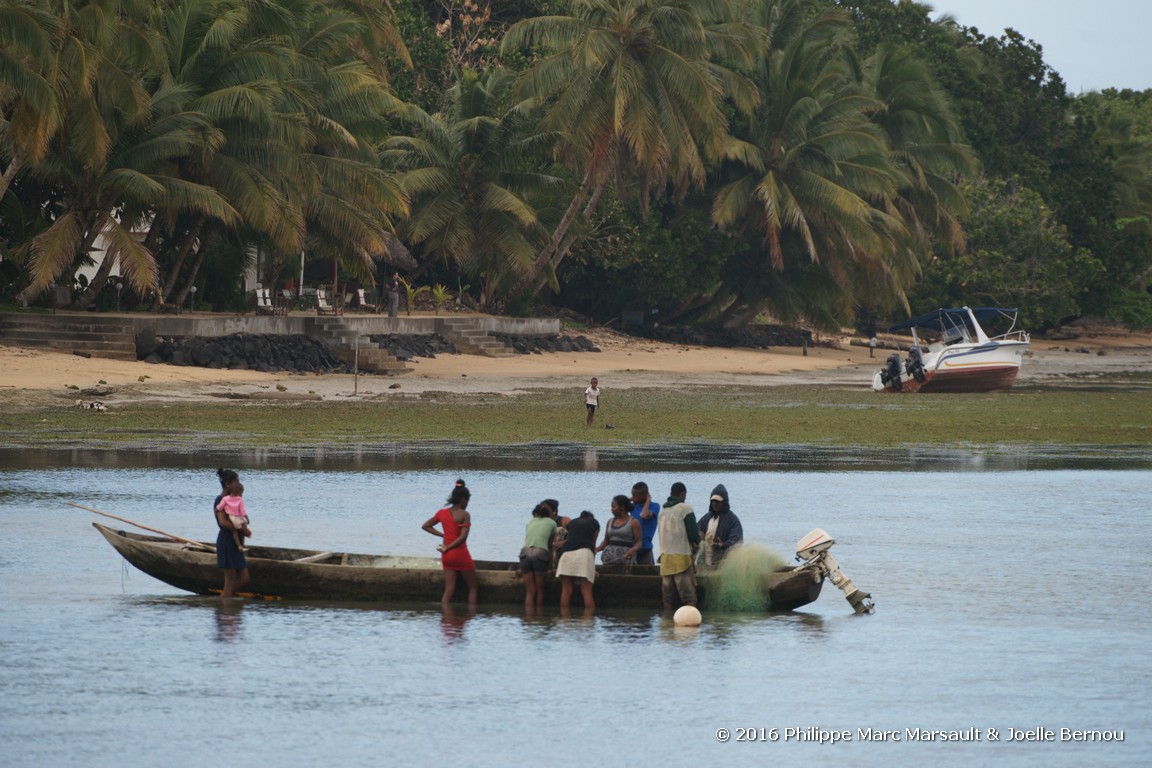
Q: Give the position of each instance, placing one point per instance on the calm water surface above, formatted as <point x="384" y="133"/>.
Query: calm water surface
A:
<point x="1006" y="600"/>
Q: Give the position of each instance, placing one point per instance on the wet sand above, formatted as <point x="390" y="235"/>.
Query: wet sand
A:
<point x="31" y="378"/>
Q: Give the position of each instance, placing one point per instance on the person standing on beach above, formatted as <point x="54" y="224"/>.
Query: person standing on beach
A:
<point x="394" y="295"/>
<point x="591" y="400"/>
<point x="679" y="537"/>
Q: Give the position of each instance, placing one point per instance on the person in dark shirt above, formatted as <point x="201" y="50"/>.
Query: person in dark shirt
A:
<point x="578" y="560"/>
<point x="719" y="527"/>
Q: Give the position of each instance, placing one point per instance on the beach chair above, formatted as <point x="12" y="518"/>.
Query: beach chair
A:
<point x="287" y="299"/>
<point x="362" y="303"/>
<point x="324" y="306"/>
<point x="264" y="305"/>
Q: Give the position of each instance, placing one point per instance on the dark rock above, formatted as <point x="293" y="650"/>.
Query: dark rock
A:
<point x="536" y="345"/>
<point x="406" y="347"/>
<point x="267" y="353"/>
<point x="146" y="343"/>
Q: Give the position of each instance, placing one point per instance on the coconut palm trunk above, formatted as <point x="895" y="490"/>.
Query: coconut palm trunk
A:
<point x="531" y="279"/>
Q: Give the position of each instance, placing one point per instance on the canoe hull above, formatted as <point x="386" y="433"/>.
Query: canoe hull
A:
<point x="369" y="578"/>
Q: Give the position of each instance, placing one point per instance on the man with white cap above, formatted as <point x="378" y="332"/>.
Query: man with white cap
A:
<point x="720" y="526"/>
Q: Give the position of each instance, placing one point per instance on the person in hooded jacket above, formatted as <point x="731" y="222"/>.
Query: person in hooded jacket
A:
<point x="720" y="527"/>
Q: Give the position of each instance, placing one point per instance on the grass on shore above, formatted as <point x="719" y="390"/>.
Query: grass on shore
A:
<point x="819" y="416"/>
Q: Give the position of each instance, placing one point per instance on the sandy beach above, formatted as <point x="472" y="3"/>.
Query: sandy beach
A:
<point x="31" y="377"/>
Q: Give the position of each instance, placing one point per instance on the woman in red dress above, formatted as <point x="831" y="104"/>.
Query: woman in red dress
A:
<point x="455" y="523"/>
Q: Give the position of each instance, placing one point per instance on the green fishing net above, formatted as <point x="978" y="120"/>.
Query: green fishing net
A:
<point x="737" y="586"/>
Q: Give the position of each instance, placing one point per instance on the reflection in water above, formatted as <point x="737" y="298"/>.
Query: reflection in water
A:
<point x="700" y="457"/>
<point x="722" y="629"/>
<point x="229" y="620"/>
<point x="591" y="459"/>
<point x="452" y="623"/>
<point x="583" y="616"/>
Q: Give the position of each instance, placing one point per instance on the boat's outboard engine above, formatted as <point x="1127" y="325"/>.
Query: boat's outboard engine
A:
<point x="914" y="365"/>
<point x="813" y="551"/>
<point x="890" y="373"/>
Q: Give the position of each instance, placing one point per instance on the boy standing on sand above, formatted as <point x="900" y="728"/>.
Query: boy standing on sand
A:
<point x="591" y="400"/>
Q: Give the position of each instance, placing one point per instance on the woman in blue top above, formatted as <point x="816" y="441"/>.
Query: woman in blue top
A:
<point x="229" y="558"/>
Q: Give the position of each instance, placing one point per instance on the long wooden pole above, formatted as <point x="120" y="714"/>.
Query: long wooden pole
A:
<point x="200" y="544"/>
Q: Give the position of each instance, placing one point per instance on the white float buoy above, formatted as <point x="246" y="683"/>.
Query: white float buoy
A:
<point x="687" y="616"/>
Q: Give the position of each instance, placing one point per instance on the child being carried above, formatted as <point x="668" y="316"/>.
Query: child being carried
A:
<point x="233" y="506"/>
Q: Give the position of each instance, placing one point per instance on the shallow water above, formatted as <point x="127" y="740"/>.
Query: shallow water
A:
<point x="1005" y="600"/>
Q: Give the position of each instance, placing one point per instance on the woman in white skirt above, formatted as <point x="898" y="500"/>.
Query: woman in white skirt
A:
<point x="578" y="560"/>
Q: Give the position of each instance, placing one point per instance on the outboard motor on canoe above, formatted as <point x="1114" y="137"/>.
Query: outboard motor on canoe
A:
<point x="813" y="551"/>
<point x="914" y="365"/>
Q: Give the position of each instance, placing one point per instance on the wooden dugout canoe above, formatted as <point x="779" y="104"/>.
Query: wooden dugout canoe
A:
<point x="303" y="574"/>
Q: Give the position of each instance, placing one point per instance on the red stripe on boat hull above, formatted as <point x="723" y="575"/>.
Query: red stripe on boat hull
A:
<point x="979" y="380"/>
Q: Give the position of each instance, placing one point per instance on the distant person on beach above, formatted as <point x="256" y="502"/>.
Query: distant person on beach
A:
<point x="622" y="535"/>
<point x="591" y="401"/>
<point x="232" y="505"/>
<point x="456" y="523"/>
<point x="578" y="560"/>
<point x="394" y="295"/>
<point x="536" y="554"/>
<point x="679" y="537"/>
<point x="646" y="511"/>
<point x="229" y="557"/>
<point x="720" y="526"/>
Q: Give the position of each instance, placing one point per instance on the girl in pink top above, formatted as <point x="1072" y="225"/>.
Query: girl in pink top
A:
<point x="233" y="506"/>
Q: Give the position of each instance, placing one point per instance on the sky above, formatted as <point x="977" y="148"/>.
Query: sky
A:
<point x="1093" y="46"/>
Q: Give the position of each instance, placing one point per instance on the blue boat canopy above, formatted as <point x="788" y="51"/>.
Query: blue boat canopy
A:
<point x="943" y="319"/>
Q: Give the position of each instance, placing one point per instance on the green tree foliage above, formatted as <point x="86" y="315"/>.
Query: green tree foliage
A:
<point x="1017" y="256"/>
<point x="843" y="173"/>
<point x="1084" y="161"/>
<point x="723" y="158"/>
<point x="205" y="122"/>
<point x="637" y="88"/>
<point x="665" y="264"/>
<point x="470" y="171"/>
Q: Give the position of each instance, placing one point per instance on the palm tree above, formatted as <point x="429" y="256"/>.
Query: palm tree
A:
<point x="637" y="87"/>
<point x="810" y="174"/>
<point x="300" y="112"/>
<point x="112" y="200"/>
<point x="29" y="109"/>
<point x="103" y="52"/>
<point x="347" y="200"/>
<point x="231" y="59"/>
<point x="466" y="173"/>
<point x="926" y="143"/>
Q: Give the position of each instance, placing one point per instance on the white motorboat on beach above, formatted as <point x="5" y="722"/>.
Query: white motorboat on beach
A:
<point x="955" y="353"/>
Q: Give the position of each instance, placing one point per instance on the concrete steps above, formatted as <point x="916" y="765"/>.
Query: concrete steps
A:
<point x="470" y="338"/>
<point x="94" y="335"/>
<point x="355" y="348"/>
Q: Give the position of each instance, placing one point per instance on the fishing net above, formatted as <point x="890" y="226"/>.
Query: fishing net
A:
<point x="738" y="584"/>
